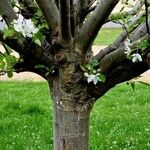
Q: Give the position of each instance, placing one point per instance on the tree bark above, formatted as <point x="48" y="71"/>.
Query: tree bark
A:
<point x="70" y="129"/>
<point x="71" y="122"/>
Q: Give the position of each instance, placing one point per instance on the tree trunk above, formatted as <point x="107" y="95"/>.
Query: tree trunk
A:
<point x="70" y="129"/>
<point x="71" y="122"/>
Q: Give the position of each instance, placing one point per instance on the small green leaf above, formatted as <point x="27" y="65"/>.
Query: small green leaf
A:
<point x="83" y="68"/>
<point x="144" y="45"/>
<point x="89" y="67"/>
<point x="37" y="41"/>
<point x="39" y="66"/>
<point x="9" y="73"/>
<point x="9" y="32"/>
<point x="94" y="62"/>
<point x="47" y="73"/>
<point x="11" y="60"/>
<point x="102" y="77"/>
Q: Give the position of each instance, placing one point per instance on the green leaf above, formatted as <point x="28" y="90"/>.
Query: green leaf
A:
<point x="9" y="73"/>
<point x="94" y="62"/>
<point x="102" y="78"/>
<point x="37" y="41"/>
<point x="9" y="32"/>
<point x="47" y="74"/>
<point x="38" y="38"/>
<point x="144" y="45"/>
<point x="39" y="66"/>
<point x="83" y="68"/>
<point x="2" y="62"/>
<point x="10" y="60"/>
<point x="89" y="67"/>
<point x="38" y="35"/>
<point x="39" y="13"/>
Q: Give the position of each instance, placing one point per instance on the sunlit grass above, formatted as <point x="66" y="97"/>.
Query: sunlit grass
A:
<point x="119" y="121"/>
<point x="107" y="36"/>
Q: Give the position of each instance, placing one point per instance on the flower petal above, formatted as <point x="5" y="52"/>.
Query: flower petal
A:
<point x="86" y="74"/>
<point x="134" y="59"/>
<point x="139" y="57"/>
<point x="89" y="80"/>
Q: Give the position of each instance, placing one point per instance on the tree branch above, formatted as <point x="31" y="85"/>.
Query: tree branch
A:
<point x="146" y="13"/>
<point x="72" y="18"/>
<point x="28" y="8"/>
<point x="117" y="56"/>
<point x="120" y="73"/>
<point x="83" y="8"/>
<point x="65" y="26"/>
<point x="140" y="31"/>
<point x="91" y="27"/>
<point x="6" y="10"/>
<point x="29" y="49"/>
<point x="50" y="11"/>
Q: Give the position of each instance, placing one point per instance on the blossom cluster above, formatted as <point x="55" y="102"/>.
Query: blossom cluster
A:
<point x="92" y="77"/>
<point x="136" y="56"/>
<point x="25" y="26"/>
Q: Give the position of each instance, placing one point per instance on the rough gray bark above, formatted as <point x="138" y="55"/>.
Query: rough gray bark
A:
<point x="71" y="129"/>
<point x="71" y="117"/>
<point x="6" y="11"/>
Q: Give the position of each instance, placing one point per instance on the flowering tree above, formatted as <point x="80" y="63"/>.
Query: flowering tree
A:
<point x="54" y="39"/>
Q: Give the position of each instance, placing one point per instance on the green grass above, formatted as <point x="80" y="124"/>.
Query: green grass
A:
<point x="106" y="36"/>
<point x="119" y="121"/>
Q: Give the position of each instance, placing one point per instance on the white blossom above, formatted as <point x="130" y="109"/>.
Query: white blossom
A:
<point x="25" y="26"/>
<point x="92" y="78"/>
<point x="127" y="44"/>
<point x="136" y="57"/>
<point x="127" y="50"/>
<point x="18" y="23"/>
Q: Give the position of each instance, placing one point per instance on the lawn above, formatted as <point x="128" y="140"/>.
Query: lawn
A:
<point x="119" y="121"/>
<point x="106" y="36"/>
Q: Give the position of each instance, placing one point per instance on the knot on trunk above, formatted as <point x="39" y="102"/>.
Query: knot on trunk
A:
<point x="60" y="58"/>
